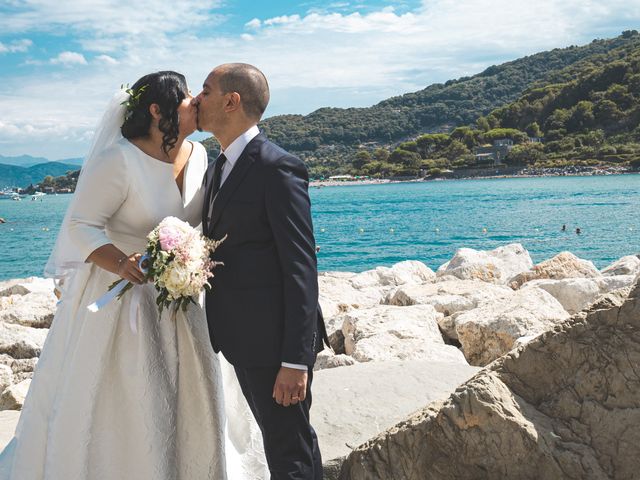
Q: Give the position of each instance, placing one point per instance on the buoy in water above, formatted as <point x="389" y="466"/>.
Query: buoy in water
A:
<point x="322" y="230"/>
<point x="484" y="230"/>
<point x="2" y="220"/>
<point x="437" y="230"/>
<point x="391" y="230"/>
<point x="361" y="230"/>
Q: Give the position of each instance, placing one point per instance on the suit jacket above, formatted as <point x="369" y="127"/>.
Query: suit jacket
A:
<point x="263" y="306"/>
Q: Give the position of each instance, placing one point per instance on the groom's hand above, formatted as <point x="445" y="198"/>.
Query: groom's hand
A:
<point x="290" y="387"/>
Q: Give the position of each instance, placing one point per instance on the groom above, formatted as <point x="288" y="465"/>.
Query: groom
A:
<point x="263" y="309"/>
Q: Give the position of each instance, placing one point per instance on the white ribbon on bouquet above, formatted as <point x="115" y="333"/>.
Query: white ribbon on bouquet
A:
<point x="134" y="306"/>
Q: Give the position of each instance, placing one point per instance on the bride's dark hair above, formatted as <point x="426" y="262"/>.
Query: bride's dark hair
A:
<point x="167" y="89"/>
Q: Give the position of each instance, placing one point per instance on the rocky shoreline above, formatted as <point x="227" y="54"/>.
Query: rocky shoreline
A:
<point x="406" y="339"/>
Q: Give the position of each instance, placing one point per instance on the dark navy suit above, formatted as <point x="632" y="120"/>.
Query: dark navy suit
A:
<point x="263" y="308"/>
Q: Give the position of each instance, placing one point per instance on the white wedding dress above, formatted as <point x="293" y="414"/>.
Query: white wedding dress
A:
<point x="106" y="403"/>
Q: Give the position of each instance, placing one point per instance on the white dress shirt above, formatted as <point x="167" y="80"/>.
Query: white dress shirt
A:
<point x="232" y="153"/>
<point x="235" y="149"/>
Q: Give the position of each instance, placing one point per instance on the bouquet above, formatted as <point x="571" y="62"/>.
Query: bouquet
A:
<point x="177" y="260"/>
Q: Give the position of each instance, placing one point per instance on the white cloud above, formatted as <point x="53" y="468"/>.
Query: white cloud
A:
<point x="109" y="18"/>
<point x="106" y="59"/>
<point x="254" y="24"/>
<point x="282" y="20"/>
<point x="69" y="58"/>
<point x="323" y="58"/>
<point x="17" y="46"/>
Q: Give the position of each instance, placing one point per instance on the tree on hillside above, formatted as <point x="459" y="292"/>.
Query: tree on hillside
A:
<point x="362" y="158"/>
<point x="525" y="154"/>
<point x="533" y="130"/>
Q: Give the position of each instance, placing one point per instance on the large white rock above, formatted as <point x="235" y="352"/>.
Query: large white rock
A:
<point x="33" y="309"/>
<point x="353" y="404"/>
<point x="615" y="282"/>
<point x="629" y="265"/>
<point x="489" y="331"/>
<point x="574" y="294"/>
<point x="407" y="272"/>
<point x="21" y="342"/>
<point x="396" y="333"/>
<point x="338" y="295"/>
<point x="563" y="265"/>
<point x="448" y="297"/>
<point x="12" y="398"/>
<point x="494" y="266"/>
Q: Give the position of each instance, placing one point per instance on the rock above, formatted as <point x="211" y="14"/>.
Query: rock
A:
<point x="335" y="274"/>
<point x="407" y="272"/>
<point x="21" y="342"/>
<point x="396" y="333"/>
<point x="566" y="405"/>
<point x="615" y="282"/>
<point x="629" y="265"/>
<point x="13" y="397"/>
<point x="328" y="359"/>
<point x="448" y="297"/>
<point x="23" y="365"/>
<point x="494" y="266"/>
<point x="336" y="341"/>
<point x="489" y="331"/>
<point x="574" y="294"/>
<point x="329" y="308"/>
<point x="30" y="309"/>
<point x="345" y="297"/>
<point x="23" y="286"/>
<point x="8" y="421"/>
<point x="353" y="404"/>
<point x="563" y="265"/>
<point x="6" y="377"/>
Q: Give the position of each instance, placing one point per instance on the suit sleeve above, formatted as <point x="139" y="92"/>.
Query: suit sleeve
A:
<point x="101" y="190"/>
<point x="289" y="213"/>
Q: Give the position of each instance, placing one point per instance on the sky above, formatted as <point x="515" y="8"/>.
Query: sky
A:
<point x="61" y="60"/>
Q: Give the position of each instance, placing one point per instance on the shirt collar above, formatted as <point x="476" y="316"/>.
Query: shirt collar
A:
<point x="235" y="149"/>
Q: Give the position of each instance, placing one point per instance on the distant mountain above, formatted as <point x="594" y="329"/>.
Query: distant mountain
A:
<point x="13" y="176"/>
<point x="29" y="161"/>
<point x="329" y="138"/>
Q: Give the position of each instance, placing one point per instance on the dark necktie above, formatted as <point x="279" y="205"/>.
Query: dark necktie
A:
<point x="217" y="173"/>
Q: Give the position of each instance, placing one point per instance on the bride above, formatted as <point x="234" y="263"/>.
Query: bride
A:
<point x="125" y="393"/>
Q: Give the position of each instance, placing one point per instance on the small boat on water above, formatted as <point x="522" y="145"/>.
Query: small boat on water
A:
<point x="37" y="195"/>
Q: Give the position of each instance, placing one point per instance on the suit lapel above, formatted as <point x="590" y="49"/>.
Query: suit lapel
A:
<point x="240" y="169"/>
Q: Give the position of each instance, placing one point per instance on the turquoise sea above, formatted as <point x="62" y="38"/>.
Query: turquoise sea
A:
<point x="363" y="226"/>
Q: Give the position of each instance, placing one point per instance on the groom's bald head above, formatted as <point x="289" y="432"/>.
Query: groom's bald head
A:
<point x="249" y="82"/>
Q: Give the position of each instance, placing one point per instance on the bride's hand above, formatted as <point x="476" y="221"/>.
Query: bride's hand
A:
<point x="129" y="270"/>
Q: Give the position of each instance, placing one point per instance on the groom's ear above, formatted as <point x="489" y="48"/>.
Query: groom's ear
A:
<point x="233" y="102"/>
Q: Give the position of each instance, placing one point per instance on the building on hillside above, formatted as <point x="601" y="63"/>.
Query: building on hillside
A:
<point x="492" y="155"/>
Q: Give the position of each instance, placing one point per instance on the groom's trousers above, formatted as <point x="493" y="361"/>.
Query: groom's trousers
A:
<point x="290" y="443"/>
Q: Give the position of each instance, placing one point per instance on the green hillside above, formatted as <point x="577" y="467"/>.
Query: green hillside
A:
<point x="329" y="139"/>
<point x="589" y="116"/>
<point x="13" y="176"/>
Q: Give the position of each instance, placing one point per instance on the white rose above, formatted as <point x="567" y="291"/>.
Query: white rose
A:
<point x="176" y="279"/>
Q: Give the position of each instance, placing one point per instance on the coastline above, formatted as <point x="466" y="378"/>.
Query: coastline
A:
<point x="595" y="173"/>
